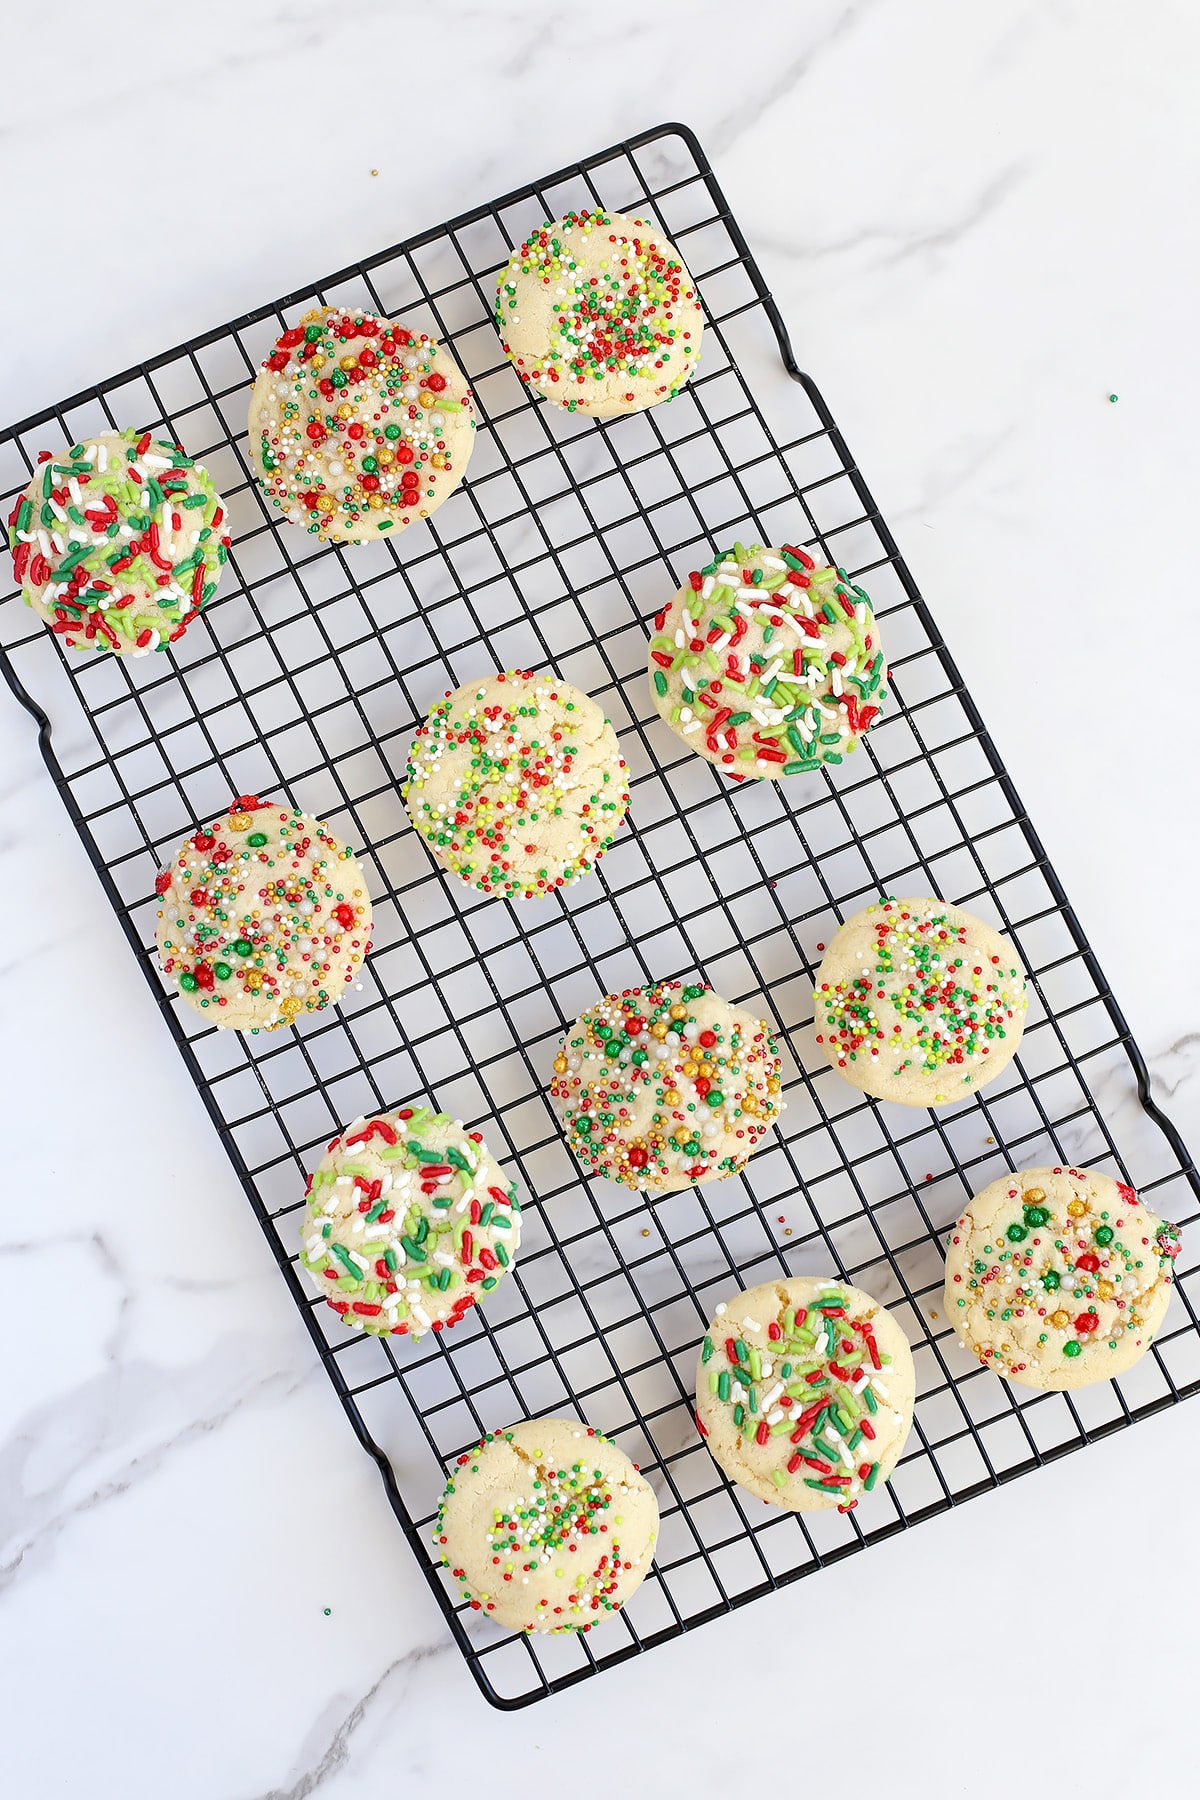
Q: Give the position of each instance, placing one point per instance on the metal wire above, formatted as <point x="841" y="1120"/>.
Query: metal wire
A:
<point x="305" y="681"/>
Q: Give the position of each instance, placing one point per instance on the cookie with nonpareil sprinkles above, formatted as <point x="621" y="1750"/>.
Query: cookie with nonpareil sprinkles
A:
<point x="805" y="1393"/>
<point x="920" y="1002"/>
<point x="516" y="783"/>
<point x="598" y="313"/>
<point x="547" y="1527"/>
<point x="119" y="543"/>
<point x="766" y="664"/>
<point x="665" y="1086"/>
<point x="359" y="426"/>
<point x="1056" y="1278"/>
<point x="263" y="916"/>
<point x="410" y="1222"/>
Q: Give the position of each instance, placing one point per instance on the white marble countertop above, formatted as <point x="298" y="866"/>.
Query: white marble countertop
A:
<point x="979" y="222"/>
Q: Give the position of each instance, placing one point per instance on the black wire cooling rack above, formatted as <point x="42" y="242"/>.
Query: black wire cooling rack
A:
<point x="305" y="680"/>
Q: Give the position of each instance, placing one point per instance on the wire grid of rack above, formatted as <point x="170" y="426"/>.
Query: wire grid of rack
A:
<point x="306" y="678"/>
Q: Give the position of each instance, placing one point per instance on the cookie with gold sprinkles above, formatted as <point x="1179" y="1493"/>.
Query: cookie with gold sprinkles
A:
<point x="919" y="1002"/>
<point x="666" y="1086"/>
<point x="410" y="1223"/>
<point x="598" y="313"/>
<point x="263" y="916"/>
<point x="767" y="664"/>
<point x="805" y="1392"/>
<point x="517" y="784"/>
<point x="1059" y="1277"/>
<point x="547" y="1527"/>
<point x="119" y="543"/>
<point x="359" y="426"/>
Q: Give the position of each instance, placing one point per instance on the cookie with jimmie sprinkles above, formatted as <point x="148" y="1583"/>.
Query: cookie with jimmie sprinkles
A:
<point x="516" y="783"/>
<point x="263" y="915"/>
<point x="1056" y="1278"/>
<point x="805" y="1392"/>
<point x="119" y="543"/>
<point x="768" y="665"/>
<point x="547" y="1527"/>
<point x="410" y="1222"/>
<point x="359" y="427"/>
<point x="598" y="313"/>
<point x="665" y="1086"/>
<point x="920" y="1002"/>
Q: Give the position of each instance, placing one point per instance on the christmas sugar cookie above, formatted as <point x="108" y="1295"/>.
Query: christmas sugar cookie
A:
<point x="598" y="313"/>
<point x="766" y="664"/>
<point x="547" y="1527"/>
<point x="920" y="1002"/>
<point x="263" y="915"/>
<point x="805" y="1392"/>
<point x="410" y="1222"/>
<point x="359" y="426"/>
<point x="665" y="1086"/>
<point x="516" y="783"/>
<point x="119" y="543"/>
<point x="1056" y="1278"/>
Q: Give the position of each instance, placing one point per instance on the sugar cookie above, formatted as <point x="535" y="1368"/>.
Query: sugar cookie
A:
<point x="1056" y="1278"/>
<point x="919" y="1002"/>
<point x="766" y="664"/>
<point x="359" y="427"/>
<point x="805" y="1392"/>
<point x="263" y="915"/>
<point x="516" y="783"/>
<point x="662" y="1087"/>
<point x="547" y="1527"/>
<point x="410" y="1222"/>
<point x="598" y="313"/>
<point x="119" y="543"/>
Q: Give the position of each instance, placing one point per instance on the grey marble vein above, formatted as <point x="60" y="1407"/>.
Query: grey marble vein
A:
<point x="329" y="1749"/>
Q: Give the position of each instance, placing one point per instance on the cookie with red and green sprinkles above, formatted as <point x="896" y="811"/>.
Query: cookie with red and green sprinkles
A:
<point x="517" y="784"/>
<point x="805" y="1392"/>
<point x="263" y="916"/>
<point x="768" y="664"/>
<point x="598" y="313"/>
<point x="410" y="1223"/>
<point x="667" y="1086"/>
<point x="359" y="427"/>
<point x="547" y="1527"/>
<point x="1059" y="1277"/>
<point x="119" y="543"/>
<point x="920" y="1002"/>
